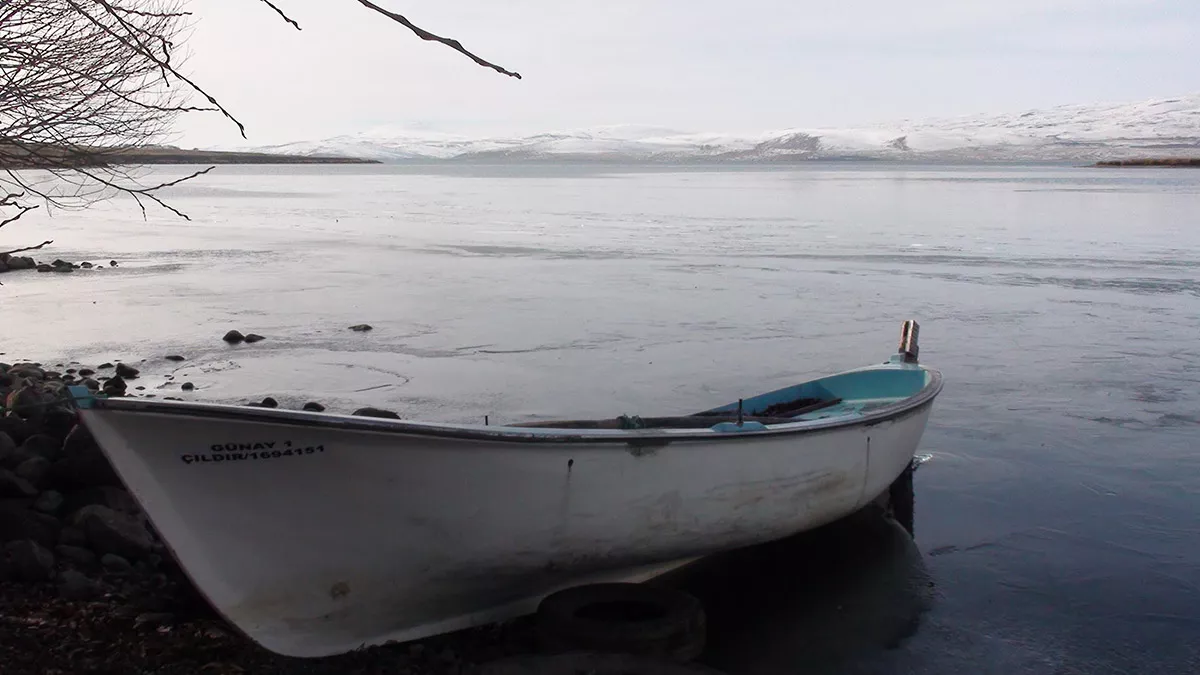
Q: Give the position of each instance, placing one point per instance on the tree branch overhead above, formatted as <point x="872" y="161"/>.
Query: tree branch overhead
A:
<point x="426" y="35"/>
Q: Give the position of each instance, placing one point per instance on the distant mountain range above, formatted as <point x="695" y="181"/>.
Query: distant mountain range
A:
<point x="1156" y="128"/>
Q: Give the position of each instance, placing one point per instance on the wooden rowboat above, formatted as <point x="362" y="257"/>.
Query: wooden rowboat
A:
<point x="316" y="534"/>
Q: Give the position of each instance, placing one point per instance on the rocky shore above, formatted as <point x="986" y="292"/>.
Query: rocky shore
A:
<point x="16" y="263"/>
<point x="86" y="585"/>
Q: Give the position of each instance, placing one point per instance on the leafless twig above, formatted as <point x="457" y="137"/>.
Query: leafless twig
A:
<point x="27" y="248"/>
<point x="280" y="13"/>
<point x="426" y="35"/>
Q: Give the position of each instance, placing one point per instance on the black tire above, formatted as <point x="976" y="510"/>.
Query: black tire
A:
<point x="629" y="618"/>
<point x="574" y="663"/>
<point x="901" y="501"/>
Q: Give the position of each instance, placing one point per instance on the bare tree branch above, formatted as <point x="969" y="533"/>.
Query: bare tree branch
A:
<point x="22" y="209"/>
<point x="27" y="248"/>
<point x="426" y="35"/>
<point x="280" y="13"/>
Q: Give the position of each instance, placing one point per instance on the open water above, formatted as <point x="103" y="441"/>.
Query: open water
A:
<point x="1058" y="517"/>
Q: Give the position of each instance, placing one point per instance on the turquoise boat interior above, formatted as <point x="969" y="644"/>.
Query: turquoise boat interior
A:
<point x="848" y="394"/>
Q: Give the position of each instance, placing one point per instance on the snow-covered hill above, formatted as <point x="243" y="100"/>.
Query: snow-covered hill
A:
<point x="1158" y="128"/>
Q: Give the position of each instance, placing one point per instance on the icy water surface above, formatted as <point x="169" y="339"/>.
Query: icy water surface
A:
<point x="1058" y="521"/>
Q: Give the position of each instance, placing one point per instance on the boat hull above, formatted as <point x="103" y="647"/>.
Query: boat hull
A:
<point x="315" y="539"/>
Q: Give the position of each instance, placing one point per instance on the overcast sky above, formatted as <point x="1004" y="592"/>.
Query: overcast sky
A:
<point x="694" y="65"/>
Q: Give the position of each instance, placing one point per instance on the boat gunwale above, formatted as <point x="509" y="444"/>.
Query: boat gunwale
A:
<point x="514" y="434"/>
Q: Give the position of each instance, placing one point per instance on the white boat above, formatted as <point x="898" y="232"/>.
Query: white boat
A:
<point x="316" y="534"/>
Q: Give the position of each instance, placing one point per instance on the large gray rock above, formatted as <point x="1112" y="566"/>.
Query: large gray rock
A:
<point x="34" y="470"/>
<point x="83" y="465"/>
<point x="109" y="531"/>
<point x="7" y="446"/>
<point x="78" y="441"/>
<point x="18" y="522"/>
<point x="42" y="445"/>
<point x="72" y="536"/>
<point x="29" y="560"/>
<point x="127" y="372"/>
<point x="115" y="387"/>
<point x="14" y="486"/>
<point x="115" y="564"/>
<point x="79" y="557"/>
<point x="75" y="585"/>
<point x="15" y="428"/>
<point x="27" y="370"/>
<point x="111" y="496"/>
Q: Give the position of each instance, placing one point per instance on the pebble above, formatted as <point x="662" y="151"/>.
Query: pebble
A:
<point x="362" y="327"/>
<point x="313" y="406"/>
<point x="49" y="502"/>
<point x="233" y="337"/>
<point x="153" y="618"/>
<point x="187" y="386"/>
<point x="175" y="357"/>
<point x="251" y="338"/>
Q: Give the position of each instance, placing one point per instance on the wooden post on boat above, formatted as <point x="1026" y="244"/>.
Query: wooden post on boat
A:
<point x="909" y="349"/>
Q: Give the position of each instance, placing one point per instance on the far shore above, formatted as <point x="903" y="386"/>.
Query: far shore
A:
<point x="169" y="155"/>
<point x="1190" y="162"/>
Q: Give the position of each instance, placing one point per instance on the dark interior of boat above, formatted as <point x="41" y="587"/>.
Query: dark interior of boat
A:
<point x="780" y="413"/>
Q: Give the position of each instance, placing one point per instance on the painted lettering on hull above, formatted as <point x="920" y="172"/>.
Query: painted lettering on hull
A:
<point x="240" y="452"/>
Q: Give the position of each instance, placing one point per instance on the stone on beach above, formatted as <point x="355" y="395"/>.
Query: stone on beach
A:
<point x="111" y="532"/>
<point x="127" y="372"/>
<point x="29" y="560"/>
<point x="115" y="386"/>
<point x="234" y="337"/>
<point x="376" y="412"/>
<point x="13" y="486"/>
<point x="34" y="470"/>
<point x="49" y="502"/>
<point x="75" y="585"/>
